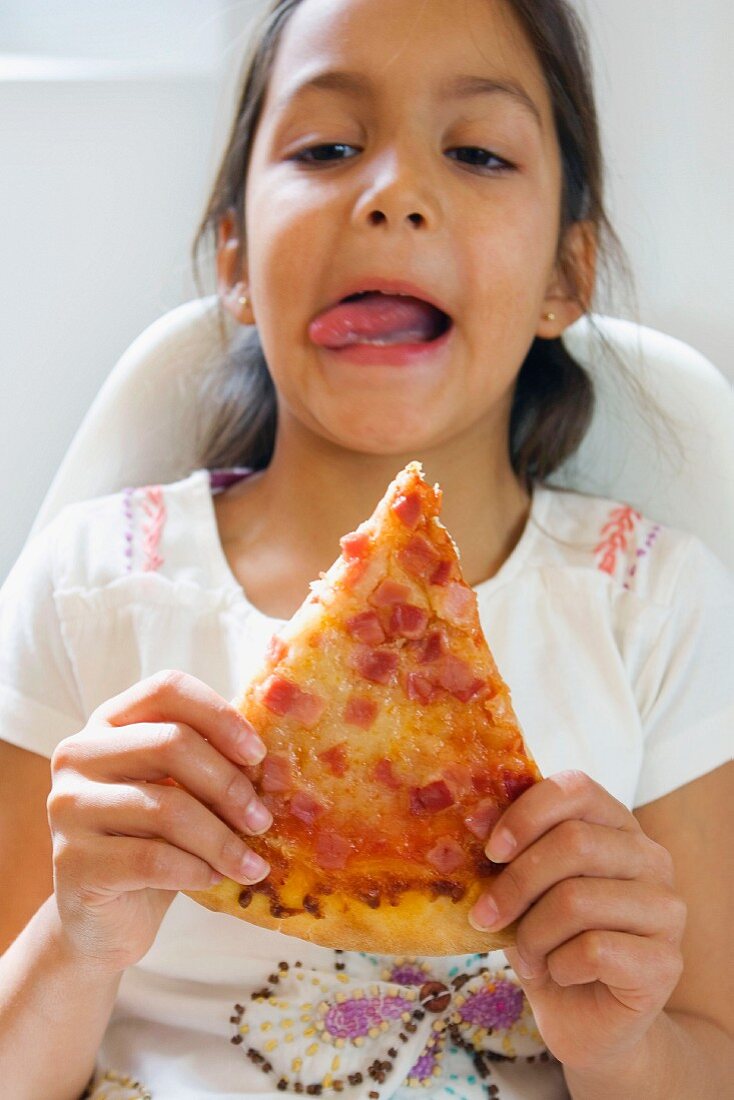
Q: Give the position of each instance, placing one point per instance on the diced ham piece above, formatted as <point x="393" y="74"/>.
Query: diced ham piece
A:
<point x="366" y="628"/>
<point x="457" y="603"/>
<point x="376" y="665"/>
<point x="305" y="807"/>
<point x="283" y="697"/>
<point x="446" y="855"/>
<point x="407" y="508"/>
<point x="483" y="818"/>
<point x="442" y="573"/>
<point x="332" y="851"/>
<point x="436" y="646"/>
<point x="420" y="689"/>
<point x="335" y="759"/>
<point x="276" y="774"/>
<point x="419" y="557"/>
<point x="384" y="774"/>
<point x="472" y="691"/>
<point x="457" y="677"/>
<point x="431" y="798"/>
<point x="355" y="545"/>
<point x="515" y="783"/>
<point x="408" y="621"/>
<point x="389" y="592"/>
<point x="360" y="711"/>
<point x="459" y="779"/>
<point x="276" y="650"/>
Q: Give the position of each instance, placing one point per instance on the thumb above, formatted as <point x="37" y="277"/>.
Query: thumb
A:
<point x="531" y="979"/>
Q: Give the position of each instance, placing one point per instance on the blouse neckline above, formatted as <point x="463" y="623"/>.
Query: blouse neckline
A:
<point x="211" y="482"/>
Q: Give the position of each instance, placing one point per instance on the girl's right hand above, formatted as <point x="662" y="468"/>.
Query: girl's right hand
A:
<point x="126" y="839"/>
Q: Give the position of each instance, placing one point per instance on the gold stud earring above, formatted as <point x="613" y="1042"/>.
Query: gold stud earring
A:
<point x="242" y="301"/>
<point x="549" y="316"/>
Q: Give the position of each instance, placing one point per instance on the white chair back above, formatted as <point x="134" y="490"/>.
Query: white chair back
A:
<point x="142" y="426"/>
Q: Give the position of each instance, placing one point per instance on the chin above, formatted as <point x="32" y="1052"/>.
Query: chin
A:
<point x="388" y="435"/>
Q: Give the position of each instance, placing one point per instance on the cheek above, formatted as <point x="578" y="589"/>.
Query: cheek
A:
<point x="285" y="214"/>
<point x="511" y="247"/>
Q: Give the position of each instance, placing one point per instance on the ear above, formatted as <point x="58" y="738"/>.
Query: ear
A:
<point x="232" y="282"/>
<point x="571" y="288"/>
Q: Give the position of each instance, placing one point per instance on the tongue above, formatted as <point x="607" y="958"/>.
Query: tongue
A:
<point x="380" y="319"/>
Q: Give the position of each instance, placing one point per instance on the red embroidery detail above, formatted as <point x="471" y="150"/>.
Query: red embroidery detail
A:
<point x="617" y="529"/>
<point x="155" y="509"/>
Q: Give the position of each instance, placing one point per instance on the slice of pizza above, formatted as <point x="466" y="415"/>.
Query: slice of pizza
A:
<point x="392" y="747"/>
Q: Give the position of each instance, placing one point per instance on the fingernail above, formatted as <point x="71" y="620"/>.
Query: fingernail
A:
<point x="253" y="867"/>
<point x="524" y="969"/>
<point x="485" y="915"/>
<point x="258" y="817"/>
<point x="250" y="748"/>
<point x="501" y="845"/>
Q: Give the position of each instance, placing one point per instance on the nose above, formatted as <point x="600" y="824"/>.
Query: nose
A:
<point x="397" y="193"/>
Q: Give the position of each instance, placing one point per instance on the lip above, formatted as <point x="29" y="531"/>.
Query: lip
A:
<point x="386" y="286"/>
<point x="393" y="355"/>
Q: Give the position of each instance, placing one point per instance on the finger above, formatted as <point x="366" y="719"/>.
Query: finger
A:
<point x="111" y="866"/>
<point x="570" y="794"/>
<point x="594" y="904"/>
<point x="155" y="751"/>
<point x="640" y="972"/>
<point x="148" y="811"/>
<point x="173" y="696"/>
<point x="572" y="849"/>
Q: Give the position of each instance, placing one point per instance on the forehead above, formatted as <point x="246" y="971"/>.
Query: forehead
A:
<point x="407" y="44"/>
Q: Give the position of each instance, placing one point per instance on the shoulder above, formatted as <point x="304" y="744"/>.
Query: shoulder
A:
<point x="135" y="531"/>
<point x="628" y="550"/>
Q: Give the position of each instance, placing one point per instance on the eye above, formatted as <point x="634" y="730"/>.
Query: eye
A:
<point x="476" y="157"/>
<point x="321" y="154"/>
<point x="313" y="154"/>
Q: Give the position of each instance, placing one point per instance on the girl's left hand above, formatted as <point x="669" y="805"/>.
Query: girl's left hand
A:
<point x="600" y="925"/>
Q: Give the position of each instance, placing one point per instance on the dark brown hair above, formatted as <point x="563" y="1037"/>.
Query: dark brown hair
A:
<point x="554" y="396"/>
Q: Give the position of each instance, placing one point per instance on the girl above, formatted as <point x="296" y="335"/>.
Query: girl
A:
<point x="432" y="151"/>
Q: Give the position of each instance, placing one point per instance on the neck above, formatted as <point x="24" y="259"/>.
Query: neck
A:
<point x="313" y="492"/>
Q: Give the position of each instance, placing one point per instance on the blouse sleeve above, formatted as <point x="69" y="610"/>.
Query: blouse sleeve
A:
<point x="688" y="688"/>
<point x="39" y="700"/>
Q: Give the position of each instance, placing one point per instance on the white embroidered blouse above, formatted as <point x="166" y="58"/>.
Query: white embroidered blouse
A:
<point x="615" y="635"/>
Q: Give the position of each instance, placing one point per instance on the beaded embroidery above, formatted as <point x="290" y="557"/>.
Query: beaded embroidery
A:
<point x="117" y="1086"/>
<point x="318" y="1034"/>
<point x="641" y="552"/>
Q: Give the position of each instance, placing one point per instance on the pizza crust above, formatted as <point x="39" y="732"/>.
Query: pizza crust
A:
<point x="418" y="925"/>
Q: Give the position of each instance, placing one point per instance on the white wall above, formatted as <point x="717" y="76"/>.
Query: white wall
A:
<point x="111" y="120"/>
<point x="664" y="88"/>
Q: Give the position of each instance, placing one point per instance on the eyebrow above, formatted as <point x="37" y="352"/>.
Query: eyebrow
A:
<point x="457" y="87"/>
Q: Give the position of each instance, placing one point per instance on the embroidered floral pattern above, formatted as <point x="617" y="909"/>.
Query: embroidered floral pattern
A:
<point x="318" y="1033"/>
<point x="616" y="534"/>
<point x="155" y="510"/>
<point x="150" y="498"/>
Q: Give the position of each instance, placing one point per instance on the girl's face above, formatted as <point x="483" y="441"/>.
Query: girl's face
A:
<point x="458" y="193"/>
